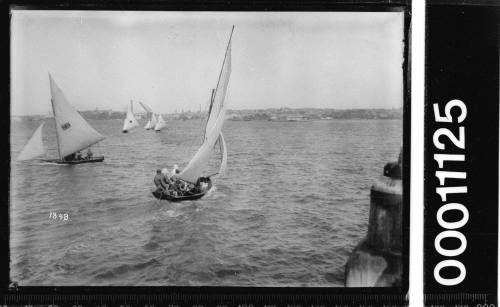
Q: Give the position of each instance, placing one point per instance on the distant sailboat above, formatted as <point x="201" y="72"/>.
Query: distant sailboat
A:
<point x="73" y="133"/>
<point x="160" y="124"/>
<point x="34" y="147"/>
<point x="193" y="172"/>
<point x="130" y="121"/>
<point x="148" y="125"/>
<point x="152" y="121"/>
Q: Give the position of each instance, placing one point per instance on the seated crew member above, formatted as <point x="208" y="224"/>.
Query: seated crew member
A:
<point x="189" y="189"/>
<point x="70" y="157"/>
<point x="177" y="185"/>
<point x="164" y="172"/>
<point x="165" y="180"/>
<point x="202" y="183"/>
<point x="89" y="154"/>
<point x="157" y="179"/>
<point x="175" y="170"/>
<point x="183" y="186"/>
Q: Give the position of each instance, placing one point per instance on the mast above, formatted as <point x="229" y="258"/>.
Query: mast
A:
<point x="220" y="76"/>
<point x="209" y="111"/>
<point x="225" y="56"/>
<point x="196" y="165"/>
<point x="211" y="103"/>
<point x="55" y="121"/>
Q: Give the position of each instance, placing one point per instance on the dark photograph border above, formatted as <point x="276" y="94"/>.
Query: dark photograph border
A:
<point x="13" y="294"/>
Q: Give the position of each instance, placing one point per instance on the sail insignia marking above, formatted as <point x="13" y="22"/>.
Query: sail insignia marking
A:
<point x="65" y="126"/>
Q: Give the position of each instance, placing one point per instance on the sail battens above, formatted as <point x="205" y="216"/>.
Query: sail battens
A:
<point x="73" y="132"/>
<point x="213" y="127"/>
<point x="34" y="147"/>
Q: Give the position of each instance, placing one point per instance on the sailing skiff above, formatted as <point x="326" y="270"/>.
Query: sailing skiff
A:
<point x="198" y="183"/>
<point x="130" y="121"/>
<point x="165" y="196"/>
<point x="73" y="133"/>
<point x="192" y="174"/>
<point x="160" y="124"/>
<point x="152" y="121"/>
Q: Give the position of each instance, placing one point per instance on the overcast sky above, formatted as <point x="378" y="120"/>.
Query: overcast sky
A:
<point x="171" y="60"/>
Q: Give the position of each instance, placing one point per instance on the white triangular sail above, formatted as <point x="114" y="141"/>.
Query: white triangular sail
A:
<point x="130" y="121"/>
<point x="213" y="128"/>
<point x="160" y="124"/>
<point x="34" y="147"/>
<point x="153" y="120"/>
<point x="148" y="125"/>
<point x="73" y="132"/>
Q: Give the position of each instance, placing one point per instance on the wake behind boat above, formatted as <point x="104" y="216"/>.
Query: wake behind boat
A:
<point x="73" y="134"/>
<point x="190" y="183"/>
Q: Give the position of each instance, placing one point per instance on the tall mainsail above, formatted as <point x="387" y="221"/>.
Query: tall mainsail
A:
<point x="213" y="128"/>
<point x="160" y="124"/>
<point x="34" y="147"/>
<point x="73" y="132"/>
<point x="130" y="121"/>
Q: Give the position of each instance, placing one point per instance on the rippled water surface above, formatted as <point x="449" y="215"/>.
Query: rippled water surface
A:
<point x="291" y="206"/>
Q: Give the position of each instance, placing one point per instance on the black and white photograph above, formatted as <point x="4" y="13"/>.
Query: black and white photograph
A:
<point x="207" y="148"/>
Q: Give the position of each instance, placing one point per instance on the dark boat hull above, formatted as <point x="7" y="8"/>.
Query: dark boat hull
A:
<point x="59" y="161"/>
<point x="162" y="196"/>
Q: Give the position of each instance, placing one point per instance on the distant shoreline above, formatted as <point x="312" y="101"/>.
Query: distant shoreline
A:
<point x="272" y="114"/>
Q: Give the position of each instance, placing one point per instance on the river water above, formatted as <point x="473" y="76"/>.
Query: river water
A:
<point x="292" y="204"/>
